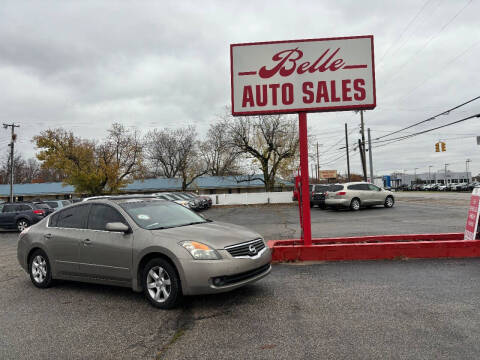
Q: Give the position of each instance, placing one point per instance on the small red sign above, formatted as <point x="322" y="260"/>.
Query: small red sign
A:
<point x="472" y="220"/>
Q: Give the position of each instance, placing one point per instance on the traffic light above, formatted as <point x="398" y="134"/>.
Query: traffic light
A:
<point x="437" y="147"/>
<point x="443" y="146"/>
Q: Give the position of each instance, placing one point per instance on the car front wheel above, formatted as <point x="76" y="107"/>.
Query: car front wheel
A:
<point x="389" y="202"/>
<point x="161" y="284"/>
<point x="39" y="269"/>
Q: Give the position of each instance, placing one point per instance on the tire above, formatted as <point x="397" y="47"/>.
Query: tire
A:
<point x="39" y="269"/>
<point x="164" y="291"/>
<point x="355" y="204"/>
<point x="389" y="202"/>
<point x="22" y="224"/>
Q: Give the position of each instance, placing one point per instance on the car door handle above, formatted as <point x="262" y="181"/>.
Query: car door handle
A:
<point x="87" y="242"/>
<point x="48" y="236"/>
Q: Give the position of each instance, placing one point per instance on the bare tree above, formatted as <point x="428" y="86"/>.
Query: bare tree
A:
<point x="220" y="157"/>
<point x="175" y="153"/>
<point x="120" y="157"/>
<point x="270" y="141"/>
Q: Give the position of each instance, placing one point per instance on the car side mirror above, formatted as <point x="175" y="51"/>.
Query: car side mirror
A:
<point x="117" y="227"/>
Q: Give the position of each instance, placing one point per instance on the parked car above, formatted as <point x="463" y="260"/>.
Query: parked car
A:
<point x="57" y="204"/>
<point x="317" y="195"/>
<point x="41" y="205"/>
<point x="207" y="199"/>
<point x="21" y="215"/>
<point x="355" y="195"/>
<point x="442" y="187"/>
<point x="147" y="244"/>
<point x="173" y="197"/>
<point x="194" y="202"/>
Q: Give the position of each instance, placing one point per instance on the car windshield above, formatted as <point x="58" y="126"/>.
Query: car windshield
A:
<point x="156" y="215"/>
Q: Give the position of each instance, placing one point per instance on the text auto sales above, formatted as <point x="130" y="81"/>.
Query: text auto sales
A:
<point x="287" y="62"/>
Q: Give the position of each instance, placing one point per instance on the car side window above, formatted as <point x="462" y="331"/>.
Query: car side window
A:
<point x="101" y="215"/>
<point x="24" y="207"/>
<point x="52" y="204"/>
<point x="373" y="187"/>
<point x="9" y="208"/>
<point x="355" y="187"/>
<point x="65" y="203"/>
<point x="73" y="218"/>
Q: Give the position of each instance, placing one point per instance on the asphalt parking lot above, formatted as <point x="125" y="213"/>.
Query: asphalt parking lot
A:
<point x="406" y="309"/>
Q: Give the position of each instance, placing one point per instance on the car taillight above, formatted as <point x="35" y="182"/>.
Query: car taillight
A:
<point x="39" y="212"/>
<point x="340" y="193"/>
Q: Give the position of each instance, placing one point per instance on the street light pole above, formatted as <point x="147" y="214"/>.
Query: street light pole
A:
<point x="445" y="180"/>
<point x="415" y="175"/>
<point x="466" y="170"/>
<point x="429" y="176"/>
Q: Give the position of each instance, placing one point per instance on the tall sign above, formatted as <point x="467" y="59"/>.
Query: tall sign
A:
<point x="303" y="76"/>
<point x="471" y="227"/>
<point x="300" y="76"/>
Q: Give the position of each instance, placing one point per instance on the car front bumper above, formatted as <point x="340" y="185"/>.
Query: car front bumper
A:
<point x="228" y="273"/>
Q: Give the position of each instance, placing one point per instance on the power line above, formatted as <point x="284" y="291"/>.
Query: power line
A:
<point x="404" y="30"/>
<point x="429" y="40"/>
<point x="431" y="118"/>
<point x="391" y="141"/>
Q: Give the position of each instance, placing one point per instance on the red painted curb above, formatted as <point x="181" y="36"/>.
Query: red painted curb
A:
<point x="450" y="245"/>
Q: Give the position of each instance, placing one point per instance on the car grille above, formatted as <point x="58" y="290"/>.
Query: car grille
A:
<point x="233" y="279"/>
<point x="243" y="249"/>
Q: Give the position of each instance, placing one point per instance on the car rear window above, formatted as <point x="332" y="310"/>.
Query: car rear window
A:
<point x="321" y="188"/>
<point x="335" y="188"/>
<point x="42" y="206"/>
<point x="66" y="202"/>
<point x="52" y="204"/>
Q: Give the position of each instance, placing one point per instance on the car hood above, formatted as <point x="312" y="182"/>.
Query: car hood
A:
<point x="215" y="234"/>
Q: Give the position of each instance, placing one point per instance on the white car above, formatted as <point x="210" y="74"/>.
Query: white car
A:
<point x="173" y="197"/>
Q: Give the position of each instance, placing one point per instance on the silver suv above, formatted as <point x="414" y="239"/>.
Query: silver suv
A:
<point x="147" y="244"/>
<point x="355" y="195"/>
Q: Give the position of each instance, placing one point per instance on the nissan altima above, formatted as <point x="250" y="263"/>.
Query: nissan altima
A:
<point x="147" y="244"/>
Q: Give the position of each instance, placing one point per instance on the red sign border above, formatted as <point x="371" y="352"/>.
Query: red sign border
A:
<point x="294" y="111"/>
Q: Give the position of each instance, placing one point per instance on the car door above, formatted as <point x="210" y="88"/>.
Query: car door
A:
<point x="66" y="230"/>
<point x="7" y="216"/>
<point x="366" y="196"/>
<point x="107" y="254"/>
<point x="377" y="194"/>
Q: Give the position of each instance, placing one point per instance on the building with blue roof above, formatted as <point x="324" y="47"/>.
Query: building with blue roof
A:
<point x="202" y="185"/>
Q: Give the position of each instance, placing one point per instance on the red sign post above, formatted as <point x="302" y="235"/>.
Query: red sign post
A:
<point x="300" y="76"/>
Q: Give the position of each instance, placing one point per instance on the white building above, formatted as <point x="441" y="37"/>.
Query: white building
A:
<point x="434" y="177"/>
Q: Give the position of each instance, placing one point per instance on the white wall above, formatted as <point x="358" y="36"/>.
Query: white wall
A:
<point x="252" y="198"/>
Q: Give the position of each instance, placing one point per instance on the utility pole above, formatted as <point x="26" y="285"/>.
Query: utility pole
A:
<point x="362" y="159"/>
<point x="429" y="176"/>
<point x="12" y="147"/>
<point x="362" y="148"/>
<point x="348" y="156"/>
<point x="318" y="165"/>
<point x="415" y="175"/>
<point x="445" y="183"/>
<point x="370" y="155"/>
<point x="466" y="170"/>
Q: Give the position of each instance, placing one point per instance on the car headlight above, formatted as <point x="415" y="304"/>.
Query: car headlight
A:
<point x="200" y="251"/>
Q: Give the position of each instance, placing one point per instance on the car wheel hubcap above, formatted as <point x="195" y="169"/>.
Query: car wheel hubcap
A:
<point x="22" y="225"/>
<point x="39" y="269"/>
<point x="356" y="205"/>
<point x="159" y="284"/>
<point x="389" y="202"/>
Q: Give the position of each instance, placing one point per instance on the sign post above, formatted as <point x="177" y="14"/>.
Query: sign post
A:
<point x="300" y="76"/>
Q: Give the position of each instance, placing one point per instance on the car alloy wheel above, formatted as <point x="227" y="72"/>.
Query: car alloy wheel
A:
<point x="161" y="284"/>
<point x="39" y="269"/>
<point x="389" y="202"/>
<point x="355" y="204"/>
<point x="22" y="224"/>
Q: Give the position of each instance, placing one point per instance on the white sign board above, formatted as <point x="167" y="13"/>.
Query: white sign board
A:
<point x="303" y="76"/>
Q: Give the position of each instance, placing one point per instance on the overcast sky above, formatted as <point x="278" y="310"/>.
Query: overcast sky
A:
<point x="83" y="65"/>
